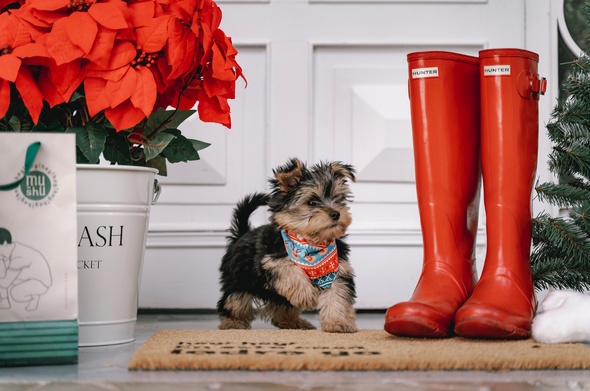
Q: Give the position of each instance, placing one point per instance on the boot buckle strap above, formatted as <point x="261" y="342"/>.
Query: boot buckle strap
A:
<point x="538" y="85"/>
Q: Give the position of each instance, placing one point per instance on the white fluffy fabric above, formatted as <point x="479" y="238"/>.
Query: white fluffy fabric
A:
<point x="565" y="318"/>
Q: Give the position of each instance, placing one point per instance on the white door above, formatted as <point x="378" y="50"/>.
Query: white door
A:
<point x="327" y="80"/>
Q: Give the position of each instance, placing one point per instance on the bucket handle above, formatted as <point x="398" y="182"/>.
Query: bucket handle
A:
<point x="157" y="191"/>
<point x="29" y="160"/>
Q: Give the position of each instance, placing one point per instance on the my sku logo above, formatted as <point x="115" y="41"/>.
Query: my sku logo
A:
<point x="38" y="188"/>
<point x="419" y="73"/>
<point x="496" y="70"/>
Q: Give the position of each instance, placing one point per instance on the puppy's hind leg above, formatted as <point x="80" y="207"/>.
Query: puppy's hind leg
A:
<point x="236" y="311"/>
<point x="284" y="316"/>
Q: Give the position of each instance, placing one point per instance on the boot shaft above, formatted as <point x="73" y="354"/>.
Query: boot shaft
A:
<point x="445" y="111"/>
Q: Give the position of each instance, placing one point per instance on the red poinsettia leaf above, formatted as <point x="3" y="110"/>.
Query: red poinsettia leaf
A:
<point x="141" y="13"/>
<point x="4" y="97"/>
<point x="26" y="14"/>
<point x="225" y="43"/>
<point x="48" y="89"/>
<point x="35" y="31"/>
<point x="30" y="93"/>
<point x="16" y="32"/>
<point x="100" y="54"/>
<point x="188" y="61"/>
<point x="33" y="49"/>
<point x="75" y="84"/>
<point x="48" y="17"/>
<point x="9" y="66"/>
<point x="48" y="5"/>
<point x="153" y="38"/>
<point x="59" y="45"/>
<point x="114" y="75"/>
<point x="124" y="116"/>
<point x="146" y="91"/>
<point x="123" y="53"/>
<point x="82" y="30"/>
<point x="220" y="71"/>
<point x="62" y="76"/>
<point x="96" y="98"/>
<point x="209" y="111"/>
<point x="127" y="34"/>
<point x="176" y="48"/>
<point x="108" y="15"/>
<point x="121" y="90"/>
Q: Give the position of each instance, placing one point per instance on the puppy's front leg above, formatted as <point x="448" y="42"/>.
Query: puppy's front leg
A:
<point x="291" y="282"/>
<point x="335" y="305"/>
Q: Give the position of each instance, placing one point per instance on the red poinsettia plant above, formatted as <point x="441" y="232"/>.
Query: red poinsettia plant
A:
<point x="108" y="70"/>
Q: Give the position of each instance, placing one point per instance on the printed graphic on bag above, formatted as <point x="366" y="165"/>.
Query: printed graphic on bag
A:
<point x="38" y="188"/>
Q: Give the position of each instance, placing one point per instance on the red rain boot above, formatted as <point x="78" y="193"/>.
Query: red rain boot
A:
<point x="445" y="108"/>
<point x="503" y="302"/>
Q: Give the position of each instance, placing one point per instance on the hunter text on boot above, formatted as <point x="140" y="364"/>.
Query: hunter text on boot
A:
<point x="419" y="73"/>
<point x="496" y="70"/>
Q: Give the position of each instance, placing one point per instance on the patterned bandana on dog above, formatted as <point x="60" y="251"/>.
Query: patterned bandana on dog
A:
<point x="319" y="262"/>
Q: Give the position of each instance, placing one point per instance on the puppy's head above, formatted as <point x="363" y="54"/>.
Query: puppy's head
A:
<point x="312" y="202"/>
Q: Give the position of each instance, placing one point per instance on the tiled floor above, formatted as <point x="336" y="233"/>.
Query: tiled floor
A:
<point x="105" y="368"/>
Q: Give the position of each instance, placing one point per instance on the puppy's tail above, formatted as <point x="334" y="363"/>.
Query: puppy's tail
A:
<point x="239" y="223"/>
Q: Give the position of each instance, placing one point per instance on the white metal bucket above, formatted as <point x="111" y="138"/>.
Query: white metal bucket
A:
<point x="114" y="203"/>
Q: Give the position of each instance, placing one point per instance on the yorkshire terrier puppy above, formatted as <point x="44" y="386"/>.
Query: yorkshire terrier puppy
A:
<point x="299" y="260"/>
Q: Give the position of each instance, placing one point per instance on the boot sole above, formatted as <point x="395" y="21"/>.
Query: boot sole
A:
<point x="407" y="326"/>
<point x="489" y="329"/>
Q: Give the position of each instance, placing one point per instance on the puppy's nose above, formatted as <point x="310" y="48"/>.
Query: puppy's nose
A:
<point x="335" y="215"/>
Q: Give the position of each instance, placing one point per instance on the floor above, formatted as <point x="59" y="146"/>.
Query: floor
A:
<point x="105" y="368"/>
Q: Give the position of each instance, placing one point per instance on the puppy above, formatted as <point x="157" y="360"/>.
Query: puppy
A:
<point x="299" y="261"/>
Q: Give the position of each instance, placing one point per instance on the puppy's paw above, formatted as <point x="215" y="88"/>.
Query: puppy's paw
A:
<point x="305" y="325"/>
<point x="297" y="324"/>
<point x="565" y="318"/>
<point x="339" y="327"/>
<point x="233" y="324"/>
<point x="556" y="299"/>
<point x="306" y="298"/>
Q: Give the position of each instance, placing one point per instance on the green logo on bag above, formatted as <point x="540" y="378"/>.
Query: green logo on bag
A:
<point x="36" y="186"/>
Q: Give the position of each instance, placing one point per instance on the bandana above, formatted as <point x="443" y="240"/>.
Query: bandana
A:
<point x="318" y="261"/>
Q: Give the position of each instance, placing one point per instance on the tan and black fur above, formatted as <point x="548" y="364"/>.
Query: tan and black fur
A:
<point x="256" y="269"/>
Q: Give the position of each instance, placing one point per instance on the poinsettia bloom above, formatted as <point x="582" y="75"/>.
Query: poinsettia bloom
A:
<point x="128" y="93"/>
<point x="75" y="24"/>
<point x="14" y="35"/>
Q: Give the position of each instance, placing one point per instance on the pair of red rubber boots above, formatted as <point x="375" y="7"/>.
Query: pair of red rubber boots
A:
<point x="473" y="117"/>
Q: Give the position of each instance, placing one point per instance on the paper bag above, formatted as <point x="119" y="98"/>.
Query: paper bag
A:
<point x="38" y="252"/>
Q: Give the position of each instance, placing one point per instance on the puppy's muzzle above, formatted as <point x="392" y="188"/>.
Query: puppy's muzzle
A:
<point x="335" y="215"/>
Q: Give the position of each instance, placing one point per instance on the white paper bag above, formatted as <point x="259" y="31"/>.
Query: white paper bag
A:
<point x="38" y="250"/>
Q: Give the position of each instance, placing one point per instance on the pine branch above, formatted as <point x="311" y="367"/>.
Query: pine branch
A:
<point x="569" y="161"/>
<point x="564" y="196"/>
<point x="557" y="274"/>
<point x="565" y="235"/>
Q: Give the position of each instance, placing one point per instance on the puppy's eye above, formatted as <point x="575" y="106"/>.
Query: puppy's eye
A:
<point x="312" y="203"/>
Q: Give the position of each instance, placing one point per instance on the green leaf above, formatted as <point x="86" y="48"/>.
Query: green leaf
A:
<point x="90" y="139"/>
<point x="157" y="145"/>
<point x="48" y="125"/>
<point x="20" y="124"/>
<point x="182" y="149"/>
<point x="116" y="148"/>
<point x="158" y="163"/>
<point x="198" y="145"/>
<point x="81" y="158"/>
<point x="157" y="120"/>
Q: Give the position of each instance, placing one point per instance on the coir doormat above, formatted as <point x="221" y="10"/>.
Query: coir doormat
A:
<point x="365" y="350"/>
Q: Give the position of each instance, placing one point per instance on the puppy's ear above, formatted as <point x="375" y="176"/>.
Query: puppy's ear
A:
<point x="344" y="170"/>
<point x="289" y="175"/>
